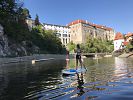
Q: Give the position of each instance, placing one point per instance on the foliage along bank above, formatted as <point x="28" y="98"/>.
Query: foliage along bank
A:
<point x="94" y="46"/>
<point x="22" y="41"/>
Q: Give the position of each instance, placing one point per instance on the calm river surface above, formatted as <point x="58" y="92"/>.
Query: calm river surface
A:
<point x="105" y="79"/>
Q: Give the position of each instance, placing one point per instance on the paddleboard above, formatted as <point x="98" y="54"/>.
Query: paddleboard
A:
<point x="73" y="71"/>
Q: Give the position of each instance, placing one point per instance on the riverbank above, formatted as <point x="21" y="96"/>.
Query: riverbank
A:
<point x="36" y="57"/>
<point x="126" y="55"/>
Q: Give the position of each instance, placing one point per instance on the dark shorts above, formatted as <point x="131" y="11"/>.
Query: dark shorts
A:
<point x="78" y="56"/>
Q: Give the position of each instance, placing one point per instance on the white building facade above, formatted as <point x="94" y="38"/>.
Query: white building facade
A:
<point x="118" y="44"/>
<point x="63" y="32"/>
<point x="118" y="41"/>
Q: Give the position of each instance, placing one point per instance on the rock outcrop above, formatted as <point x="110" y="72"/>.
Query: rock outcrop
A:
<point x="9" y="48"/>
<point x="126" y="55"/>
<point x="4" y="48"/>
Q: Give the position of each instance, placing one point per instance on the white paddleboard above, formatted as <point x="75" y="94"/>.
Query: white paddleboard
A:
<point x="73" y="71"/>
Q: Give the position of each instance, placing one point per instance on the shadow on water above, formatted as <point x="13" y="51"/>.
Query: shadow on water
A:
<point x="105" y="79"/>
<point x="18" y="80"/>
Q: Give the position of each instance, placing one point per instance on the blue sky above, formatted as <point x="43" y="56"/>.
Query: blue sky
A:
<point x="117" y="14"/>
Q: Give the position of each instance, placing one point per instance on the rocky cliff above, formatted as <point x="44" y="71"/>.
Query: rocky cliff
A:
<point x="9" y="48"/>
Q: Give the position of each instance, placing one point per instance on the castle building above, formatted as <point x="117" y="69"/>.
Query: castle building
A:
<point x="81" y="29"/>
<point x="77" y="31"/>
<point x="63" y="32"/>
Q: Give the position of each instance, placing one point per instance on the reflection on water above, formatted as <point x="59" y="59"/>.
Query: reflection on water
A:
<point x="80" y="84"/>
<point x="107" y="78"/>
<point x="121" y="69"/>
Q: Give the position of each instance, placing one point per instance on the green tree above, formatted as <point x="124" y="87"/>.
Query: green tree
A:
<point x="129" y="47"/>
<point x="7" y="9"/>
<point x="97" y="45"/>
<point x="47" y="40"/>
<point x="37" y="20"/>
<point x="23" y="14"/>
<point x="26" y="13"/>
<point x="12" y="18"/>
<point x="71" y="46"/>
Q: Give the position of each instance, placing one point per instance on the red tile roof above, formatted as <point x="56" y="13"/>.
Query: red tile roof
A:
<point x="118" y="36"/>
<point x="85" y="22"/>
<point x="76" y="22"/>
<point x="125" y="43"/>
<point x="129" y="34"/>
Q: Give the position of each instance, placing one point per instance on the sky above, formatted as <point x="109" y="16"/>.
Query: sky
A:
<point x="117" y="14"/>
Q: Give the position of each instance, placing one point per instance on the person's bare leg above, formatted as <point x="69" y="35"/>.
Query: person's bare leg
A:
<point x="80" y="63"/>
<point x="76" y="63"/>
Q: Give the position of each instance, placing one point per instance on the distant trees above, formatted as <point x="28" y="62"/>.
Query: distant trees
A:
<point x="71" y="46"/>
<point x="47" y="40"/>
<point x="129" y="47"/>
<point x="97" y="45"/>
<point x="94" y="46"/>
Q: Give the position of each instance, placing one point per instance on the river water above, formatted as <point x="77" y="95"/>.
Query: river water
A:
<point x="105" y="79"/>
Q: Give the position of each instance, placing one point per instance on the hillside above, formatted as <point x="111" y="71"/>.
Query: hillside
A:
<point x="15" y="37"/>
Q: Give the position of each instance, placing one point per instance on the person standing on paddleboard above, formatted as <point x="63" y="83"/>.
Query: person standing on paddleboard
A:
<point x="78" y="56"/>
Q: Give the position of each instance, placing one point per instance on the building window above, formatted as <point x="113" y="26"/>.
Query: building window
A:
<point x="58" y="34"/>
<point x="106" y="36"/>
<point x="63" y="41"/>
<point x="66" y="41"/>
<point x="64" y="35"/>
